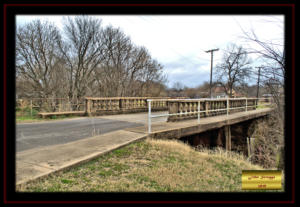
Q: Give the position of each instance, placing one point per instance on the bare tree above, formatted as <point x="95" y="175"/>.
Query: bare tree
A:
<point x="178" y="88"/>
<point x="37" y="57"/>
<point x="82" y="51"/>
<point x="85" y="60"/>
<point x="235" y="68"/>
<point x="272" y="53"/>
<point x="117" y="51"/>
<point x="151" y="74"/>
<point x="126" y="70"/>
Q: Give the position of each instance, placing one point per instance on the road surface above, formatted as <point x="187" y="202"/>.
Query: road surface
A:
<point x="32" y="135"/>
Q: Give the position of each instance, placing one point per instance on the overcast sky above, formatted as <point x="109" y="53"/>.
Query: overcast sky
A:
<point x="179" y="42"/>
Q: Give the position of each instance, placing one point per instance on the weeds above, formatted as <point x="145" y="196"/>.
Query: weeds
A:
<point x="151" y="166"/>
<point x="269" y="144"/>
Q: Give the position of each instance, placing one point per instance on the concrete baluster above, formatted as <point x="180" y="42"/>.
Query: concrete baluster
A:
<point x="120" y="104"/>
<point x="98" y="104"/>
<point x="115" y="105"/>
<point x="186" y="108"/>
<point x="107" y="105"/>
<point x="183" y="109"/>
<point x="112" y="102"/>
<point x="126" y="103"/>
<point x="130" y="104"/>
<point x="207" y="102"/>
<point x="102" y="104"/>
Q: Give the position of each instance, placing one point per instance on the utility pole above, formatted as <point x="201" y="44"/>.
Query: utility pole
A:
<point x="258" y="78"/>
<point x="211" y="68"/>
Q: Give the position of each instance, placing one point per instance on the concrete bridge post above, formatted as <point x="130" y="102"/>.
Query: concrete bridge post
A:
<point x="219" y="142"/>
<point x="228" y="138"/>
<point x="88" y="107"/>
<point x="174" y="108"/>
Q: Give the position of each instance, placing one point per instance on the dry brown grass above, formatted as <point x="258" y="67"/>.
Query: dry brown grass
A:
<point x="152" y="166"/>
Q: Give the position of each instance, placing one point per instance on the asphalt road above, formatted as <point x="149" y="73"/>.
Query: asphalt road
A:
<point x="58" y="132"/>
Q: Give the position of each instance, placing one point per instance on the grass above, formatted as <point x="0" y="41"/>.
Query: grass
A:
<point x="151" y="166"/>
<point x="262" y="105"/>
<point x="28" y="118"/>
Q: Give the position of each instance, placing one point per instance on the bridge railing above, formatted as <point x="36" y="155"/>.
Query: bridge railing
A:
<point x="116" y="105"/>
<point x="182" y="109"/>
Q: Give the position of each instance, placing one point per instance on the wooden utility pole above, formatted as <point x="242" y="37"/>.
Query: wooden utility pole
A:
<point x="211" y="68"/>
<point x="258" y="79"/>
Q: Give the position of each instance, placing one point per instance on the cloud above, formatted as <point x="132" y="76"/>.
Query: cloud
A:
<point x="188" y="73"/>
<point x="185" y="64"/>
<point x="187" y="79"/>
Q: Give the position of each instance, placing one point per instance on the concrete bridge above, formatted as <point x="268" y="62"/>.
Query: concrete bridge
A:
<point x="181" y="119"/>
<point x="188" y="117"/>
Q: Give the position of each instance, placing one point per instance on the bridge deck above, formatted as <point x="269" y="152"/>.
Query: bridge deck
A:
<point x="179" y="129"/>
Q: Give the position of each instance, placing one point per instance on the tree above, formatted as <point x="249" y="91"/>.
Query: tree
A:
<point x="37" y="58"/>
<point x="126" y="69"/>
<point x="272" y="53"/>
<point x="85" y="60"/>
<point x="178" y="88"/>
<point x="248" y="90"/>
<point x="235" y="68"/>
<point x="82" y="52"/>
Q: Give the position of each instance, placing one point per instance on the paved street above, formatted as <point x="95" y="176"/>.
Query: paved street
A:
<point x="43" y="134"/>
<point x="32" y="135"/>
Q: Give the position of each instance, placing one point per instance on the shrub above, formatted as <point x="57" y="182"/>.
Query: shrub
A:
<point x="26" y="112"/>
<point x="268" y="146"/>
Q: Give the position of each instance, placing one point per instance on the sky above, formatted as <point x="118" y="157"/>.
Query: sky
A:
<point x="179" y="42"/>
